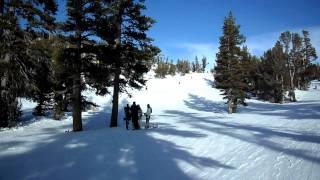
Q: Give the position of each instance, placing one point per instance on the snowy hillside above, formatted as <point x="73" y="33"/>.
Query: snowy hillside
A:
<point x="195" y="139"/>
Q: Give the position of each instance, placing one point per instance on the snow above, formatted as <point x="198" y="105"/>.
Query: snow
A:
<point x="196" y="138"/>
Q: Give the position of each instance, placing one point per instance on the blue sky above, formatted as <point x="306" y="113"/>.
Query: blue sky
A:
<point x="186" y="28"/>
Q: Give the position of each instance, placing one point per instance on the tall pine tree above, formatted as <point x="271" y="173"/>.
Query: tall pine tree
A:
<point x="228" y="69"/>
<point x="130" y="50"/>
<point x="204" y="64"/>
<point x="309" y="55"/>
<point x="79" y="27"/>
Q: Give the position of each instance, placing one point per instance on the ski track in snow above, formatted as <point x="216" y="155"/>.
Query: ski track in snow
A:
<point x="195" y="138"/>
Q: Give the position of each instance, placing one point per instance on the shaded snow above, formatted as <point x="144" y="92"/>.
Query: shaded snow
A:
<point x="196" y="139"/>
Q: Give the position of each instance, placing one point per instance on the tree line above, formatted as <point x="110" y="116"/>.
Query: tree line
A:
<point x="164" y="67"/>
<point x="101" y="45"/>
<point x="273" y="77"/>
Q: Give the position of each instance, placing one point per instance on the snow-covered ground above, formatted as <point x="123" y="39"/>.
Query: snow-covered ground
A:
<point x="196" y="139"/>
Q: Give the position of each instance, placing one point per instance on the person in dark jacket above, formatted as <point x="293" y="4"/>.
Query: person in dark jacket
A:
<point x="127" y="118"/>
<point x="139" y="114"/>
<point x="134" y="115"/>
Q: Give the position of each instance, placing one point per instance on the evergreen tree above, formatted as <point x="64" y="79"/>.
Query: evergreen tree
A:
<point x="299" y="52"/>
<point x="248" y="66"/>
<point x="285" y="67"/>
<point x="183" y="67"/>
<point x="286" y="39"/>
<point x="228" y="70"/>
<point x="130" y="49"/>
<point x="193" y="67"/>
<point x="79" y="26"/>
<point x="272" y="72"/>
<point x="309" y="55"/>
<point x="162" y="69"/>
<point x="197" y="65"/>
<point x="62" y="76"/>
<point x="43" y="76"/>
<point x="18" y="62"/>
<point x="172" y="69"/>
<point x="204" y="64"/>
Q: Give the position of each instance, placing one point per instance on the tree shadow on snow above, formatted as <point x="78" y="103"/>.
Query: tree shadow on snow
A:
<point x="300" y="110"/>
<point x="210" y="82"/>
<point x="106" y="154"/>
<point x="254" y="134"/>
<point x="203" y="104"/>
<point x="101" y="119"/>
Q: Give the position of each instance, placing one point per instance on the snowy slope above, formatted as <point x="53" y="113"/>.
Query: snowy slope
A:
<point x="196" y="139"/>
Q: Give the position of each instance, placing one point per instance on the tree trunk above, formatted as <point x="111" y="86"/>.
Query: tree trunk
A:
<point x="115" y="100"/>
<point x="1" y="7"/>
<point x="230" y="101"/>
<point x="291" y="74"/>
<point x="76" y="99"/>
<point x="282" y="90"/>
<point x="234" y="106"/>
<point x="12" y="111"/>
<point x="299" y="83"/>
<point x="39" y="110"/>
<point x="116" y="87"/>
<point x="230" y="107"/>
<point x="76" y="89"/>
<point x="8" y="97"/>
<point x="292" y="93"/>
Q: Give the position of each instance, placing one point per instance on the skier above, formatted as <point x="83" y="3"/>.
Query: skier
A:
<point x="127" y="115"/>
<point x="148" y="114"/>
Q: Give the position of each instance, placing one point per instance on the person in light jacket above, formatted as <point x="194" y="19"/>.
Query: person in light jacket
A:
<point x="148" y="114"/>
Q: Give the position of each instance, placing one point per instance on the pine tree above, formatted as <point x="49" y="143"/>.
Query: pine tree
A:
<point x="162" y="69"/>
<point x="285" y="67"/>
<point x="228" y="71"/>
<point x="204" y="64"/>
<point x="43" y="75"/>
<point x="197" y="65"/>
<point x="193" y="67"/>
<point x="62" y="75"/>
<point x="248" y="65"/>
<point x="17" y="58"/>
<point x="172" y="69"/>
<point x="309" y="55"/>
<point x="184" y="67"/>
<point x="79" y="26"/>
<point x="272" y="73"/>
<point x="130" y="49"/>
<point x="286" y="41"/>
<point x="295" y="51"/>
